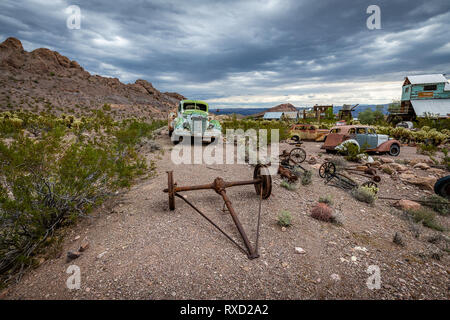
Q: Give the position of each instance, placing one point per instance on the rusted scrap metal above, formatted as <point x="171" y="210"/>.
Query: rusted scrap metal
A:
<point x="368" y="173"/>
<point x="287" y="174"/>
<point x="262" y="182"/>
<point x="328" y="172"/>
<point x="290" y="163"/>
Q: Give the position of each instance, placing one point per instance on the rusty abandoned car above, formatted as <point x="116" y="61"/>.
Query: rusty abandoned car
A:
<point x="365" y="137"/>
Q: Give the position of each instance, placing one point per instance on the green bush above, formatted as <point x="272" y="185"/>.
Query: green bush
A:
<point x="365" y="194"/>
<point x="437" y="203"/>
<point x="287" y="185"/>
<point x="49" y="181"/>
<point x="427" y="217"/>
<point x="307" y="178"/>
<point x="328" y="199"/>
<point x="285" y="219"/>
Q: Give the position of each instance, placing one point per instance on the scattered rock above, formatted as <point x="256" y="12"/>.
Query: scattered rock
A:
<point x="386" y="160"/>
<point x="312" y="160"/>
<point x="426" y="183"/>
<point x="354" y="259"/>
<point x="422" y="166"/>
<point x="101" y="254"/>
<point x="398" y="239"/>
<point x="375" y="164"/>
<point x="335" y="277"/>
<point x="72" y="255"/>
<point x="84" y="246"/>
<point x="300" y="250"/>
<point x="77" y="237"/>
<point x="398" y="167"/>
<point x="358" y="248"/>
<point x="407" y="205"/>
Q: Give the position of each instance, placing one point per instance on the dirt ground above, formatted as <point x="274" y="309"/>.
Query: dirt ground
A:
<point x="141" y="250"/>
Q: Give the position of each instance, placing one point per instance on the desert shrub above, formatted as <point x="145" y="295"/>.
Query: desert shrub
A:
<point x="437" y="203"/>
<point x="284" y="219"/>
<point x="106" y="107"/>
<point x="365" y="194"/>
<point x="352" y="152"/>
<point x="306" y="178"/>
<point x="288" y="185"/>
<point x="387" y="170"/>
<point x="328" y="199"/>
<point x="446" y="159"/>
<point x="338" y="162"/>
<point x="427" y="217"/>
<point x="427" y="149"/>
<point x="49" y="181"/>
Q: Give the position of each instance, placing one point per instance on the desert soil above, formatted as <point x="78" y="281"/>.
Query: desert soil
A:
<point x="141" y="250"/>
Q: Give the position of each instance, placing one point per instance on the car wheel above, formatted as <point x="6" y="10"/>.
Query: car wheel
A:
<point x="170" y="133"/>
<point x="394" y="150"/>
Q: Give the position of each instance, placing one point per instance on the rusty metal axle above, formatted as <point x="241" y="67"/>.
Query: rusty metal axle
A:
<point x="263" y="186"/>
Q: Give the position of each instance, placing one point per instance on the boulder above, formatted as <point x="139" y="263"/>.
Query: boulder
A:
<point x="375" y="164"/>
<point x="407" y="205"/>
<point x="386" y="160"/>
<point x="398" y="167"/>
<point x="422" y="166"/>
<point x="426" y="183"/>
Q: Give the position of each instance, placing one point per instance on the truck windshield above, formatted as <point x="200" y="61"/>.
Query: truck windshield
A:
<point x="194" y="106"/>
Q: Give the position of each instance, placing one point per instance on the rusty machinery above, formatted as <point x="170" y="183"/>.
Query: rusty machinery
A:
<point x="289" y="161"/>
<point x="328" y="171"/>
<point x="262" y="182"/>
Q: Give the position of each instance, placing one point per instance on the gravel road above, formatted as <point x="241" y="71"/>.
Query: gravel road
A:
<point x="141" y="250"/>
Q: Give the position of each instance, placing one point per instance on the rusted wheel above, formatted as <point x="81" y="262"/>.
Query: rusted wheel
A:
<point x="370" y="184"/>
<point x="262" y="172"/>
<point x="327" y="169"/>
<point x="171" y="190"/>
<point x="297" y="155"/>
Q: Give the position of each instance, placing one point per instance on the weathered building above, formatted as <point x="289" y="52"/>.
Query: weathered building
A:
<point x="425" y="95"/>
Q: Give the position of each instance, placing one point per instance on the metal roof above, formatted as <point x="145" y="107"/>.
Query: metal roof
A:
<point x="272" y="115"/>
<point x="434" y="107"/>
<point x="291" y="114"/>
<point x="427" y="78"/>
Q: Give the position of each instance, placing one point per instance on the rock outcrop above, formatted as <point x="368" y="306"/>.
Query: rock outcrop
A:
<point x="46" y="80"/>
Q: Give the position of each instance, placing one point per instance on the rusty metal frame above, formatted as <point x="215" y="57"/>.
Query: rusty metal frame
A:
<point x="262" y="182"/>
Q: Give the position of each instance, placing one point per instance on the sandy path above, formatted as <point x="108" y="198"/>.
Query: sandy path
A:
<point x="141" y="250"/>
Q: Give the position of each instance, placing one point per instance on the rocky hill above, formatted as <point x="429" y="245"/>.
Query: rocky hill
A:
<point x="279" y="108"/>
<point x="44" y="80"/>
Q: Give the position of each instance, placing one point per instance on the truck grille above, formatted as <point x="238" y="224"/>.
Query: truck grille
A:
<point x="198" y="126"/>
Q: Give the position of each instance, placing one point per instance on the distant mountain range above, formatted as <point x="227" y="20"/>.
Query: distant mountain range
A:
<point x="252" y="111"/>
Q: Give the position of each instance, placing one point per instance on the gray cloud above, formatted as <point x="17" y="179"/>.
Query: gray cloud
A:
<point x="246" y="52"/>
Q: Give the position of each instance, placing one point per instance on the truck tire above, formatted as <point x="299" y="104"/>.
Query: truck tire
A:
<point x="442" y="187"/>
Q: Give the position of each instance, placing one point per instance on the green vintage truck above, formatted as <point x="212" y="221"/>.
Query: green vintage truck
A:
<point x="191" y="120"/>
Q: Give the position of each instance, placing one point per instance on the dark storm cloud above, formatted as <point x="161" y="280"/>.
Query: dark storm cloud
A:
<point x="245" y="52"/>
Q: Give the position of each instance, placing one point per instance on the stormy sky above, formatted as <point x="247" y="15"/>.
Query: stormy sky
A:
<point x="245" y="53"/>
